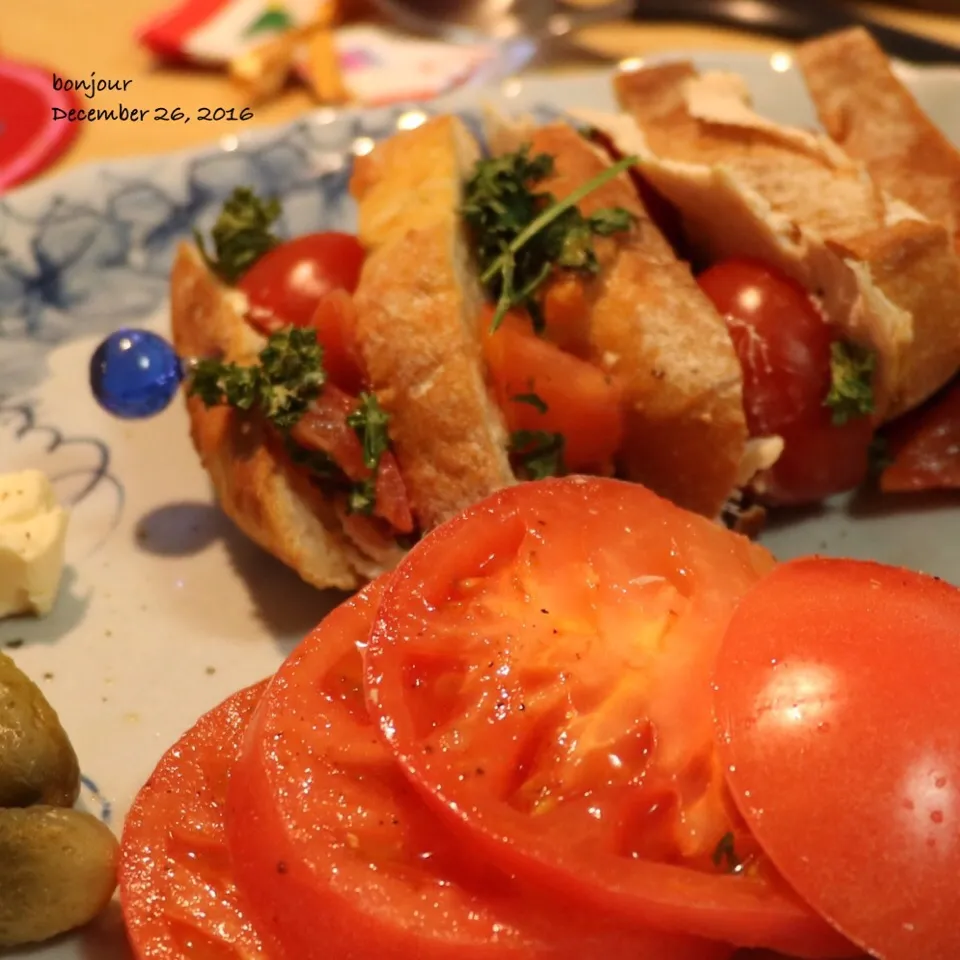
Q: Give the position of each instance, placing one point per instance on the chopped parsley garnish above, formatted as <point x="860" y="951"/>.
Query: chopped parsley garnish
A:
<point x="363" y="496"/>
<point x="851" y="382"/>
<point x="520" y="234"/>
<point x="241" y="235"/>
<point x="540" y="453"/>
<point x="725" y="852"/>
<point x="370" y="422"/>
<point x="281" y="386"/>
<point x="533" y="400"/>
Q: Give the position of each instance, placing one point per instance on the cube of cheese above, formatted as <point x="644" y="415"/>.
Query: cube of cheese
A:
<point x="33" y="530"/>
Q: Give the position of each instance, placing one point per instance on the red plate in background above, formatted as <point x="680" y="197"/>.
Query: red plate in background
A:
<point x="30" y="139"/>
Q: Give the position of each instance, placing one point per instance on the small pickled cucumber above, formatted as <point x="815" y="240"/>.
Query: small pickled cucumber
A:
<point x="58" y="870"/>
<point x="37" y="762"/>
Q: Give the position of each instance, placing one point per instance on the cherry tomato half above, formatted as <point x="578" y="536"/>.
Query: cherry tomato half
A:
<point x="784" y="350"/>
<point x="176" y="884"/>
<point x="541" y="666"/>
<point x="344" y="860"/>
<point x="284" y="286"/>
<point x="836" y="705"/>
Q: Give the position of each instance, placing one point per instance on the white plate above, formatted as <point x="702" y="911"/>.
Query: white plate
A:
<point x="165" y="609"/>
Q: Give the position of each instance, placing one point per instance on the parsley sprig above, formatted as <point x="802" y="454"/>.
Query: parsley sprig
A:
<point x="540" y="453"/>
<point x="521" y="235"/>
<point x="851" y="382"/>
<point x="241" y="234"/>
<point x="370" y="422"/>
<point x="280" y="386"/>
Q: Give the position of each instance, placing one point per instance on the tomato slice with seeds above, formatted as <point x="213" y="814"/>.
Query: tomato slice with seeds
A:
<point x="176" y="883"/>
<point x="344" y="860"/>
<point x="541" y="666"/>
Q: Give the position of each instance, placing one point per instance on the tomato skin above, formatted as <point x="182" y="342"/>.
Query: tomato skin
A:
<point x="342" y="858"/>
<point x="176" y="885"/>
<point x="335" y="320"/>
<point x="324" y="427"/>
<point x="583" y="403"/>
<point x="548" y="629"/>
<point x="784" y="350"/>
<point x="284" y="286"/>
<point x="925" y="447"/>
<point x="835" y="703"/>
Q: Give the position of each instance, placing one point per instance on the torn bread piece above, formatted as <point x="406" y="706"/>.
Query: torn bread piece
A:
<point x="883" y="274"/>
<point x="257" y="485"/>
<point x="648" y="324"/>
<point x="872" y="115"/>
<point x="417" y="306"/>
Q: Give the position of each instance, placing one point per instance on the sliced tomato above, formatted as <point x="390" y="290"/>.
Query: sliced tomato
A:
<point x="541" y="666"/>
<point x="324" y="427"/>
<point x="566" y="313"/>
<point x="176" y="884"/>
<point x="335" y="320"/>
<point x="835" y="698"/>
<point x="783" y="346"/>
<point x="539" y="387"/>
<point x="925" y="447"/>
<point x="343" y="859"/>
<point x="284" y="286"/>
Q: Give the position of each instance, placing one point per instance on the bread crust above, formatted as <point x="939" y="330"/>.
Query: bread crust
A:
<point x="417" y="305"/>
<point x="255" y="483"/>
<point x="875" y="119"/>
<point x="886" y="276"/>
<point x="652" y="328"/>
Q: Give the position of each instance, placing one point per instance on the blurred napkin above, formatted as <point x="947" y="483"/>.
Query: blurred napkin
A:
<point x="378" y="66"/>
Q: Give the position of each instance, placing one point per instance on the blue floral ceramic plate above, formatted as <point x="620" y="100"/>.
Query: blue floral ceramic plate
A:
<point x="165" y="608"/>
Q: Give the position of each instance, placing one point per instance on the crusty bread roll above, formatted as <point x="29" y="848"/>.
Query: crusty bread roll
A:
<point x="650" y="326"/>
<point x="868" y="111"/>
<point x="883" y="274"/>
<point x="417" y="307"/>
<point x="273" y="504"/>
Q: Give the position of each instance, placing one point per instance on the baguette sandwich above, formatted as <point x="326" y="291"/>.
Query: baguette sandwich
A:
<point x="588" y="348"/>
<point x="521" y="313"/>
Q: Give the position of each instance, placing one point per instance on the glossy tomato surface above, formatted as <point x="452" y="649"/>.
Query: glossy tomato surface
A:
<point x="285" y="285"/>
<point x="836" y="707"/>
<point x="176" y="884"/>
<point x="784" y="350"/>
<point x="344" y="860"/>
<point x="541" y="666"/>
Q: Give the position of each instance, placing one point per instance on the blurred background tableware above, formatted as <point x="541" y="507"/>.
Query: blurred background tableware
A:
<point x="551" y="23"/>
<point x="189" y="55"/>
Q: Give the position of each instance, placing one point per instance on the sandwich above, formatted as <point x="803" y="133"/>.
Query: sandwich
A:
<point x="526" y="309"/>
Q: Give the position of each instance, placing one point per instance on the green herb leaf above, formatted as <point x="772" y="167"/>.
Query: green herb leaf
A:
<point x="363" y="497"/>
<point x="725" y="851"/>
<point x="370" y="422"/>
<point x="241" y="235"/>
<point x="851" y="382"/>
<point x="520" y="235"/>
<point x="540" y="453"/>
<point x="281" y="386"/>
<point x="533" y="399"/>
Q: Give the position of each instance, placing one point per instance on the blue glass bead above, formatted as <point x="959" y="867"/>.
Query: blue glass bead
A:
<point x="135" y="374"/>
